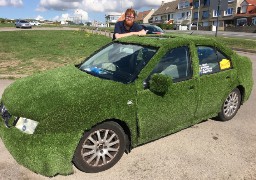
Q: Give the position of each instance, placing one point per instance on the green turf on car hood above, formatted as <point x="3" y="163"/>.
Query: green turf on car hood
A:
<point x="66" y="102"/>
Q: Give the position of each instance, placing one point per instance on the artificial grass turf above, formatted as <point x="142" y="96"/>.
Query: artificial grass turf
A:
<point x="66" y="102"/>
<point x="63" y="101"/>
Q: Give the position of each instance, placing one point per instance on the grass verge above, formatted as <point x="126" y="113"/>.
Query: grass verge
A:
<point x="27" y="52"/>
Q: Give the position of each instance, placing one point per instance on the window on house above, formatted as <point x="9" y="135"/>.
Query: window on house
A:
<point x="206" y="2"/>
<point x="183" y="15"/>
<point x="228" y="12"/>
<point x="183" y="4"/>
<point x="172" y="16"/>
<point x="241" y="22"/>
<point x="205" y="14"/>
<point x="254" y="21"/>
<point x="196" y="4"/>
<point x="195" y="15"/>
<point x="215" y="13"/>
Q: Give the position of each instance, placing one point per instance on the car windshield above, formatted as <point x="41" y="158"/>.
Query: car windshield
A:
<point x="118" y="62"/>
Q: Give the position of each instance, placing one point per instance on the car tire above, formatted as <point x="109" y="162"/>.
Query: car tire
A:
<point x="230" y="106"/>
<point x="100" y="148"/>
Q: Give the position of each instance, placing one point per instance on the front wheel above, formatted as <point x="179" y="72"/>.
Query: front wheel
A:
<point x="230" y="105"/>
<point x="100" y="148"/>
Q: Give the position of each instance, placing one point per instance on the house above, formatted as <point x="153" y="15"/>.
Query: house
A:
<point x="184" y="13"/>
<point x="246" y="14"/>
<point x="166" y="13"/>
<point x="206" y="16"/>
<point x="143" y="17"/>
<point x="112" y="18"/>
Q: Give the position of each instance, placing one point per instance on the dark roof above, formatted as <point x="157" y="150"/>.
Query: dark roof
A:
<point x="167" y="8"/>
<point x="253" y="2"/>
<point x="142" y="15"/>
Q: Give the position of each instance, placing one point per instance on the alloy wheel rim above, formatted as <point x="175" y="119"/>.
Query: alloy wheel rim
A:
<point x="100" y="148"/>
<point x="231" y="104"/>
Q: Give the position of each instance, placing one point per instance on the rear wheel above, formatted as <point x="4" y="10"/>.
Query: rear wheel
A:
<point x="100" y="148"/>
<point x="230" y="105"/>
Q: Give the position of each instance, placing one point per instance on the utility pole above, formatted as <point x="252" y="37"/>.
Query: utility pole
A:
<point x="218" y="12"/>
<point x="198" y="11"/>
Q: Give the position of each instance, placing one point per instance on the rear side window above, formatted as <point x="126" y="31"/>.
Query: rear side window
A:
<point x="212" y="60"/>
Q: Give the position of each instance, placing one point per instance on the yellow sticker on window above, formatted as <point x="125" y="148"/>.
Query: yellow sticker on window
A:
<point x="224" y="64"/>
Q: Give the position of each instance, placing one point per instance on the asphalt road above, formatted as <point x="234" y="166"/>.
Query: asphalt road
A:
<point x="209" y="150"/>
<point x="243" y="35"/>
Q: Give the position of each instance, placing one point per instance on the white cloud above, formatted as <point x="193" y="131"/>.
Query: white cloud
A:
<point x="81" y="8"/>
<point x="59" y="5"/>
<point x="98" y="5"/>
<point x="82" y="14"/>
<point x="56" y="18"/>
<point x="15" y="3"/>
<point x="63" y="17"/>
<point x="39" y="18"/>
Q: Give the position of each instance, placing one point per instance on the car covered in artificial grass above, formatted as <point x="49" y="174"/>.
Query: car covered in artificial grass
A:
<point x="130" y="92"/>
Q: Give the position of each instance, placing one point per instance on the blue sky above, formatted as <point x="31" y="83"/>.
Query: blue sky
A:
<point x="89" y="10"/>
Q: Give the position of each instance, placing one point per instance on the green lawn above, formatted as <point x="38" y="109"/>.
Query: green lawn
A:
<point x="7" y="25"/>
<point x="239" y="43"/>
<point x="27" y="52"/>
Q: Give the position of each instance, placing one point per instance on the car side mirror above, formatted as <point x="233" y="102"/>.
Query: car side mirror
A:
<point x="159" y="83"/>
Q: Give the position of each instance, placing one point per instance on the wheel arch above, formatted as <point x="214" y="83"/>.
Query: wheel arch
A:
<point x="125" y="128"/>
<point x="242" y="92"/>
<point x="127" y="131"/>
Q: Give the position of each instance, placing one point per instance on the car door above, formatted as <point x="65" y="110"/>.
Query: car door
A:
<point x="215" y="81"/>
<point x="159" y="115"/>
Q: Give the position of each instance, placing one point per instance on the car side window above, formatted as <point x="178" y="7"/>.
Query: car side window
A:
<point x="211" y="60"/>
<point x="176" y="64"/>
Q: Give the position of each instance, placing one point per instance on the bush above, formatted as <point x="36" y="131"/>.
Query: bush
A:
<point x="166" y="26"/>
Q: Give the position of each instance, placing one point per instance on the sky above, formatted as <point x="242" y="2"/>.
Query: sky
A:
<point x="58" y="10"/>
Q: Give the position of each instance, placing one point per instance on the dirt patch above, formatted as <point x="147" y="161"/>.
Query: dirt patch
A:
<point x="13" y="69"/>
<point x="45" y="65"/>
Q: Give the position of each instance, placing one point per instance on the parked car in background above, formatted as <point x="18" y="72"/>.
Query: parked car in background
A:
<point x="22" y="24"/>
<point x="152" y="29"/>
<point x="35" y="23"/>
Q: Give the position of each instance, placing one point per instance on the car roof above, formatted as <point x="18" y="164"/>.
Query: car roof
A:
<point x="162" y="40"/>
<point x="174" y="40"/>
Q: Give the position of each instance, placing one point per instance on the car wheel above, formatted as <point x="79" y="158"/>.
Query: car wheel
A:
<point x="100" y="148"/>
<point x="230" y="105"/>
